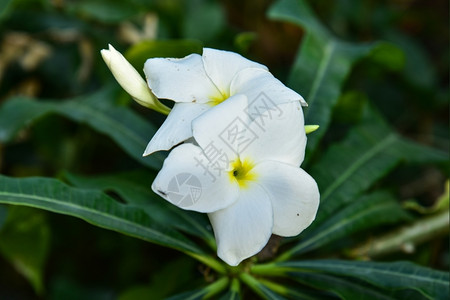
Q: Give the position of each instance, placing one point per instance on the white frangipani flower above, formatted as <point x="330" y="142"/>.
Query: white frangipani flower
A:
<point x="243" y="171"/>
<point x="198" y="82"/>
<point x="130" y="80"/>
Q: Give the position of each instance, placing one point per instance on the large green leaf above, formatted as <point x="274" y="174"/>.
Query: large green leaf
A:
<point x="199" y="13"/>
<point x="342" y="287"/>
<point x="178" y="270"/>
<point x="24" y="242"/>
<point x="393" y="276"/>
<point x="365" y="212"/>
<point x="298" y="292"/>
<point x="197" y="294"/>
<point x="92" y="206"/>
<point x="104" y="10"/>
<point x="203" y="293"/>
<point x="5" y="8"/>
<point x="140" y="52"/>
<point x="231" y="295"/>
<point x="322" y="64"/>
<point x="369" y="152"/>
<point x="134" y="188"/>
<point x="126" y="128"/>
<point x="3" y="214"/>
<point x="262" y="290"/>
<point x="234" y="291"/>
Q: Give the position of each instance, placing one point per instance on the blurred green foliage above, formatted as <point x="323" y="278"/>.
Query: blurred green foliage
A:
<point x="375" y="75"/>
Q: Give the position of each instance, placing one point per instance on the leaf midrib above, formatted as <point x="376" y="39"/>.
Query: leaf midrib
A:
<point x="321" y="72"/>
<point x="382" y="271"/>
<point x="95" y="212"/>
<point x="339" y="225"/>
<point x="106" y="119"/>
<point x="147" y="192"/>
<point x="357" y="164"/>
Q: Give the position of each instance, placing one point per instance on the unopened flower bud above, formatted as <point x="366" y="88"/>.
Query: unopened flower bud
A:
<point x="131" y="81"/>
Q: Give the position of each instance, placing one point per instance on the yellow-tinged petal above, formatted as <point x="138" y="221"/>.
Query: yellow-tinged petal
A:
<point x="242" y="173"/>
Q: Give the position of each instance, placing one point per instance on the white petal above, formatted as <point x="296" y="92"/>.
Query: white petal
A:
<point x="176" y="128"/>
<point x="189" y="182"/>
<point x="222" y="124"/>
<point x="256" y="82"/>
<point x="244" y="228"/>
<point x="221" y="66"/>
<point x="180" y="80"/>
<point x="280" y="130"/>
<point x="294" y="195"/>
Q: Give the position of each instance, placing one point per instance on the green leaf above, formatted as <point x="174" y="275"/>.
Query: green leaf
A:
<point x="413" y="152"/>
<point x="138" y="292"/>
<point x="130" y="131"/>
<point x="104" y="10"/>
<point x="202" y="293"/>
<point x="5" y="8"/>
<point x="92" y="206"/>
<point x="180" y="273"/>
<point x="353" y="101"/>
<point x="379" y="208"/>
<point x="259" y="288"/>
<point x="203" y="20"/>
<point x="289" y="291"/>
<point x="416" y="59"/>
<point x="389" y="56"/>
<point x="3" y="214"/>
<point x="67" y="288"/>
<point x="135" y="188"/>
<point x="230" y="295"/>
<point x="343" y="288"/>
<point x="25" y="241"/>
<point x="394" y="276"/>
<point x="369" y="152"/>
<point x="244" y="40"/>
<point x="197" y="294"/>
<point x="140" y="52"/>
<point x="233" y="292"/>
<point x="322" y="64"/>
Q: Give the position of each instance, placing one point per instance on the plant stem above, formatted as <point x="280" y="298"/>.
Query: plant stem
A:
<point x="251" y="282"/>
<point x="216" y="287"/>
<point x="161" y="108"/>
<point x="211" y="242"/>
<point x="235" y="286"/>
<point x="285" y="256"/>
<point x="267" y="270"/>
<point x="277" y="288"/>
<point x="400" y="239"/>
<point x="209" y="261"/>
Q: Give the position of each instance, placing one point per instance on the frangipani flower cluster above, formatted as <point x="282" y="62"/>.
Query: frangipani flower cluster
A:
<point x="237" y="139"/>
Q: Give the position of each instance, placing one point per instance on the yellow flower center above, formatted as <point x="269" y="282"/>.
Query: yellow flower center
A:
<point x="219" y="97"/>
<point x="242" y="172"/>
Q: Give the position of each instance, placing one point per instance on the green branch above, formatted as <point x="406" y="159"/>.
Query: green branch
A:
<point x="405" y="238"/>
<point x="209" y="261"/>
